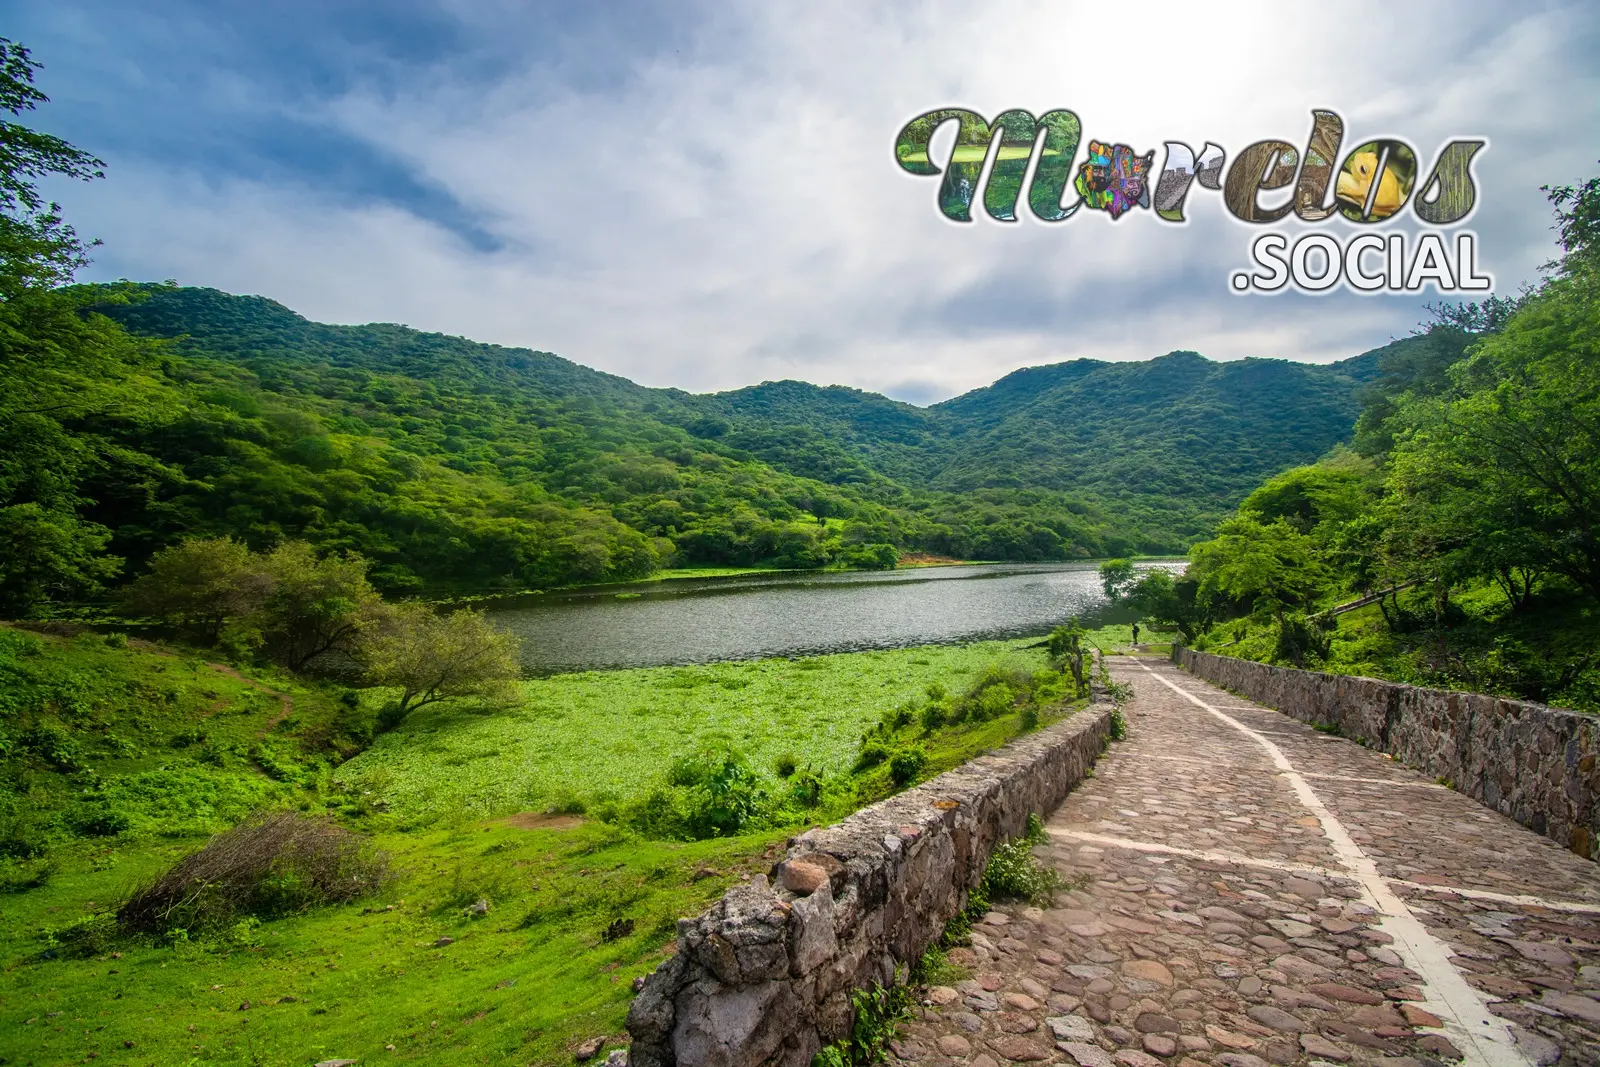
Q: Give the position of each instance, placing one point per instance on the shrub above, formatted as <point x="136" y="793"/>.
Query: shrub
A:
<point x="268" y="865"/>
<point x="722" y="794"/>
<point x="1030" y="718"/>
<point x="785" y="765"/>
<point x="933" y="716"/>
<point x="99" y="820"/>
<point x="1119" y="724"/>
<point x="1014" y="873"/>
<point x="872" y="754"/>
<point x="806" y="788"/>
<point x="905" y="765"/>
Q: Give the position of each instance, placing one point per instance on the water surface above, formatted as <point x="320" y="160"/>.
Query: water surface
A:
<point x="799" y="614"/>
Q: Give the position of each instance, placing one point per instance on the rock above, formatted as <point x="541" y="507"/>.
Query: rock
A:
<point x="1317" y="1045"/>
<point x="1045" y="955"/>
<point x="1088" y="971"/>
<point x="617" y="1057"/>
<point x="967" y="1021"/>
<point x="1304" y="888"/>
<point x="1193" y="1043"/>
<point x="955" y="1045"/>
<point x="443" y="941"/>
<point x="1249" y="986"/>
<point x="983" y="1059"/>
<point x="1292" y="928"/>
<point x="1348" y="994"/>
<point x="801" y="878"/>
<point x="1276" y="1018"/>
<point x="1537" y="1047"/>
<point x="1020" y="1001"/>
<point x="336" y="1063"/>
<point x="1572" y="1006"/>
<point x="1070" y="1028"/>
<point x="1149" y="971"/>
<point x="990" y="982"/>
<point x="1240" y="1059"/>
<point x="943" y="994"/>
<point x="1151" y="1023"/>
<point x="1013" y="1022"/>
<point x="1020" y="1049"/>
<point x="1439" y="1045"/>
<point x="1085" y="1054"/>
<point x="589" y="1049"/>
<point x="1419" y="1016"/>
<point x="1376" y="1017"/>
<point x="1539" y="952"/>
<point x="1229" y="1039"/>
<point x="1034" y="989"/>
<point x="1160" y="1045"/>
<point x="996" y="918"/>
<point x="478" y="908"/>
<point x="1132" y="1057"/>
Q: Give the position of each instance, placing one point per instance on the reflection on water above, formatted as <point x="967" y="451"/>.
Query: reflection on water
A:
<point x="697" y="621"/>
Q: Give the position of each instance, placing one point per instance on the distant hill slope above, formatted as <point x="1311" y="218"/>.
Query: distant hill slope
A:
<point x="1075" y="458"/>
<point x="1179" y="439"/>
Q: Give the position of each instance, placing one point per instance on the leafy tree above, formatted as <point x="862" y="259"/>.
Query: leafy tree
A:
<point x="431" y="656"/>
<point x="49" y="557"/>
<point x="37" y="249"/>
<point x="202" y="584"/>
<point x="316" y="606"/>
<point x="1116" y="577"/>
<point x="1169" y="601"/>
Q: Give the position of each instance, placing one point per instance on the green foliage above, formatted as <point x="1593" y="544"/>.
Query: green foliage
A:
<point x="1116" y="577"/>
<point x="429" y="657"/>
<point x="876" y="1016"/>
<point x="1014" y="873"/>
<point x="906" y="765"/>
<point x="1469" y="524"/>
<point x="1119" y="724"/>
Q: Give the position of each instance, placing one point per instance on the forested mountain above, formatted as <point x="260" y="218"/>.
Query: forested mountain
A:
<point x="1167" y="444"/>
<point x="457" y="465"/>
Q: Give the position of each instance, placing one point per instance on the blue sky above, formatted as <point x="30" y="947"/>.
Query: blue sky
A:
<point x="703" y="195"/>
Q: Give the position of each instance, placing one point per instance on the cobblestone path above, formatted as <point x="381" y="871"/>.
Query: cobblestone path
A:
<point x="1256" y="892"/>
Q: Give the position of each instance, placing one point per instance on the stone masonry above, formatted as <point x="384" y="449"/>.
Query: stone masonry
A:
<point x="1253" y="892"/>
<point x="1537" y="764"/>
<point x="765" y="975"/>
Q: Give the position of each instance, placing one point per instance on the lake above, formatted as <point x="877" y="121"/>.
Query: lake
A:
<point x="800" y="613"/>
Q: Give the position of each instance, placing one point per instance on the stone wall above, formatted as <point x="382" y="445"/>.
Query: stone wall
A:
<point x="764" y="976"/>
<point x="1539" y="765"/>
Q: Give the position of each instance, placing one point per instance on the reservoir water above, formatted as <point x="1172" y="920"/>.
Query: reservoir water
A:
<point x="800" y="613"/>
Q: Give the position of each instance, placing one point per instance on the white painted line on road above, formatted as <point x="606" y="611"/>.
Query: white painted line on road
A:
<point x="1209" y="855"/>
<point x="1481" y="1036"/>
<point x="1285" y="866"/>
<point x="1519" y="899"/>
<point x="1419" y="784"/>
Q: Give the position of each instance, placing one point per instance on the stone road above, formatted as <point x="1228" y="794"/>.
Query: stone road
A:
<point x="1255" y="892"/>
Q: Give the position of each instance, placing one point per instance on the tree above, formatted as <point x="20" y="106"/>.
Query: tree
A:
<point x="202" y="583"/>
<point x="1116" y="577"/>
<point x="49" y="557"/>
<point x="316" y="606"/>
<point x="1169" y="601"/>
<point x="37" y="249"/>
<point x="431" y="657"/>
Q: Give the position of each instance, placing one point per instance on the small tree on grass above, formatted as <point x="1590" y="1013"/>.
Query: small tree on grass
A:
<point x="431" y="657"/>
<point x="1116" y="577"/>
<point x="201" y="584"/>
<point x="317" y="606"/>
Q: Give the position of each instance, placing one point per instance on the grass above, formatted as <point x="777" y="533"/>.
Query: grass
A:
<point x="577" y="907"/>
<point x="583" y="739"/>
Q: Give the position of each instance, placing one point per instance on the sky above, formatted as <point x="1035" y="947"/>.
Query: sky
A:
<point x="704" y="195"/>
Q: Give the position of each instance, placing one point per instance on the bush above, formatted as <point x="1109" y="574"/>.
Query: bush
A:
<point x="872" y="754"/>
<point x="266" y="866"/>
<point x="1014" y="873"/>
<point x="785" y="765"/>
<point x="905" y="765"/>
<point x="723" y="796"/>
<point x="87" y="936"/>
<point x="933" y="716"/>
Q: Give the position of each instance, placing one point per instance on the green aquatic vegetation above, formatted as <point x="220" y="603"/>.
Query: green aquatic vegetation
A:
<point x="607" y="737"/>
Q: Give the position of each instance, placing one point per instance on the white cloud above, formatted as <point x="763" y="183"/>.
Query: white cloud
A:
<point x="730" y="211"/>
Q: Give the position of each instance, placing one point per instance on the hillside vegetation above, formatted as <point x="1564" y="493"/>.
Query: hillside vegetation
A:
<point x="1466" y="512"/>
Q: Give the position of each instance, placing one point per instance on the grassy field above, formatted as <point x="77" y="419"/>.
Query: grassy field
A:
<point x="462" y="802"/>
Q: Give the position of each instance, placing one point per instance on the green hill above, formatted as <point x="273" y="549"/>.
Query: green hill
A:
<point x="456" y="466"/>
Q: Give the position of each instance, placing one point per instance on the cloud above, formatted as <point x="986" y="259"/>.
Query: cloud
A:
<point x="706" y="196"/>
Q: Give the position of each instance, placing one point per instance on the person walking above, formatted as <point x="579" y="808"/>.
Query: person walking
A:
<point x="1136" y="633"/>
